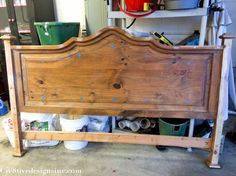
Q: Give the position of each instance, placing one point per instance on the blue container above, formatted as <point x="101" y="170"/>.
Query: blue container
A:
<point x="3" y="108"/>
<point x="180" y="4"/>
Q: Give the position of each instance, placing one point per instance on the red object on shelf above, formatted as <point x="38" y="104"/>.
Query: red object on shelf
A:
<point x="135" y="15"/>
<point x="136" y="5"/>
<point x="115" y="6"/>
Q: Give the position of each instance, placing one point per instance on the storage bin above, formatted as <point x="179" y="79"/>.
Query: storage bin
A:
<point x="173" y="127"/>
<point x="54" y="33"/>
<point x="78" y="125"/>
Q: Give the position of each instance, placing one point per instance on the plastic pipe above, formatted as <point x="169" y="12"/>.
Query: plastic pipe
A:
<point x="124" y="123"/>
<point x="153" y="123"/>
<point x="144" y="123"/>
<point x="135" y="126"/>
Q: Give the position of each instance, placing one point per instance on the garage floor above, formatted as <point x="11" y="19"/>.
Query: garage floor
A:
<point x="113" y="160"/>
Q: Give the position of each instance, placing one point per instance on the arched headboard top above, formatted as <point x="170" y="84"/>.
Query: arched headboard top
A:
<point x="108" y="31"/>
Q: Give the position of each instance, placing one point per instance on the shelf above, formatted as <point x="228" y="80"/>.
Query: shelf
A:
<point x="17" y="5"/>
<point x="164" y="13"/>
<point x="25" y="31"/>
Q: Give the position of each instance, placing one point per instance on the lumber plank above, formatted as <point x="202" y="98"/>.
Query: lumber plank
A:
<point x="120" y="138"/>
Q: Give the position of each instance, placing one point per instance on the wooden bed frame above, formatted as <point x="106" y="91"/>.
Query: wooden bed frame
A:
<point x="113" y="73"/>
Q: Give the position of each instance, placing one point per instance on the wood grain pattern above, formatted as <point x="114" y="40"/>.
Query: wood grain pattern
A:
<point x="223" y="96"/>
<point x="113" y="71"/>
<point x="121" y="138"/>
<point x="18" y="145"/>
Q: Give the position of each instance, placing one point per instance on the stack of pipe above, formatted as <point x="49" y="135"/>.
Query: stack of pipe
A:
<point x="137" y="124"/>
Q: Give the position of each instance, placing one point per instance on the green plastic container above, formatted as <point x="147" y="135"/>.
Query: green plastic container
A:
<point x="173" y="127"/>
<point x="54" y="33"/>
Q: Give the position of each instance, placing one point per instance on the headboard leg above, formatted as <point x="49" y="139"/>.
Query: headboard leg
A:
<point x="222" y="104"/>
<point x="18" y="149"/>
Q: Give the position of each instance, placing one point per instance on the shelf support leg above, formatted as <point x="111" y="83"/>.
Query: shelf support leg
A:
<point x="201" y="43"/>
<point x="109" y="8"/>
<point x="203" y="25"/>
<point x="190" y="132"/>
<point x="12" y="20"/>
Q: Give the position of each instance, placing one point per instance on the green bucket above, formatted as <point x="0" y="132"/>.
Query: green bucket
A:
<point x="173" y="127"/>
<point x="54" y="33"/>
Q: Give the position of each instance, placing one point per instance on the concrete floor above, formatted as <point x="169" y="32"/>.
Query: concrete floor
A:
<point x="114" y="160"/>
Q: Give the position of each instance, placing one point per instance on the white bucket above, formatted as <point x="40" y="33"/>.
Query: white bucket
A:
<point x="73" y="126"/>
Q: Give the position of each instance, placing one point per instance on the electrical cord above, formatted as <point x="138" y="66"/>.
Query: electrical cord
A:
<point x="131" y="24"/>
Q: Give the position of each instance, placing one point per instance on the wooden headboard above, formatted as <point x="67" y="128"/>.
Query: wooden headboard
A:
<point x="113" y="73"/>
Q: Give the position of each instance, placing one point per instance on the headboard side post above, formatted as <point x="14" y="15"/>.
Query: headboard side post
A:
<point x="227" y="38"/>
<point x="18" y="148"/>
<point x="222" y="102"/>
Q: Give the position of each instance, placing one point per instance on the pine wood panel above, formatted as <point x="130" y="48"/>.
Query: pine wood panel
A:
<point x="115" y="73"/>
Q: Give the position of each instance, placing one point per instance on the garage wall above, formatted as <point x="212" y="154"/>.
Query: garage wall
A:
<point x="231" y="4"/>
<point x="70" y="11"/>
<point x="96" y="15"/>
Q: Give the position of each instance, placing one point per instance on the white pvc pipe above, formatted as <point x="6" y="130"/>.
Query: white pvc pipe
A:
<point x="135" y="126"/>
<point x="144" y="123"/>
<point x="124" y="123"/>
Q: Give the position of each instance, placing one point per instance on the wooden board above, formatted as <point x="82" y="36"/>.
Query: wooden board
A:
<point x="121" y="138"/>
<point x="113" y="73"/>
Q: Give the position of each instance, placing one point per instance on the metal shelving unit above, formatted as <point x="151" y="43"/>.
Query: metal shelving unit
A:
<point x="18" y="17"/>
<point x="202" y="12"/>
<point x="165" y="13"/>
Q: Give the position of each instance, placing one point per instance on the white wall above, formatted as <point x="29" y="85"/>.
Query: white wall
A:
<point x="176" y="29"/>
<point x="70" y="11"/>
<point x="231" y="5"/>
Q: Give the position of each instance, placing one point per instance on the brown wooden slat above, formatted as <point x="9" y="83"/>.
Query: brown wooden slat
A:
<point x="120" y="138"/>
<point x="116" y="112"/>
